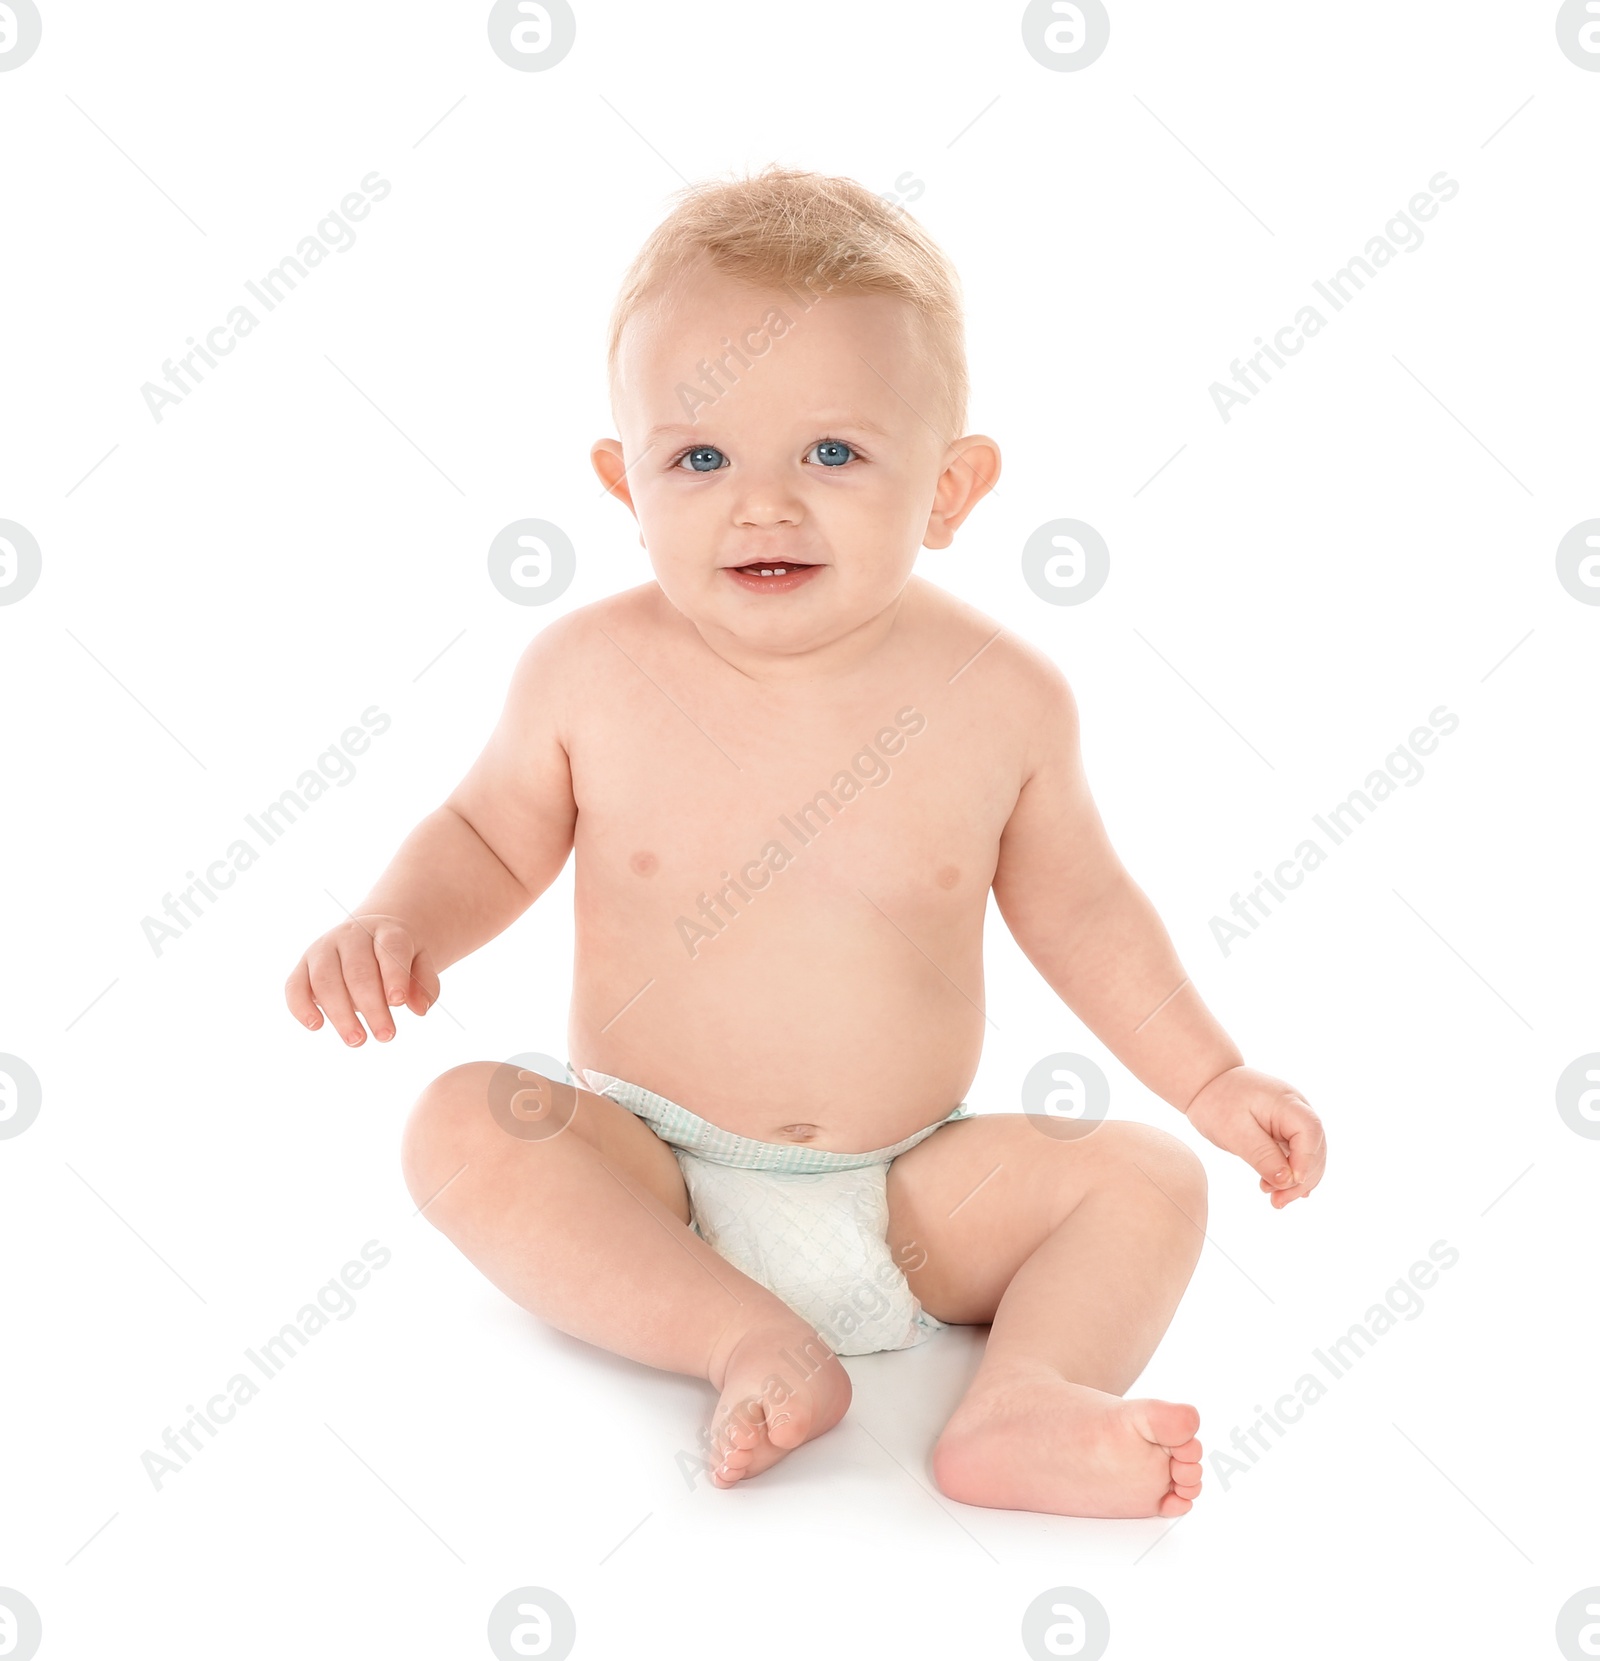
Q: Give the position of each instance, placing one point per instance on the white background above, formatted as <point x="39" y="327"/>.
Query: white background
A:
<point x="224" y="591"/>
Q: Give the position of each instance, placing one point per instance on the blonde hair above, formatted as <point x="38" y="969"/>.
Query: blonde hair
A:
<point x="785" y="229"/>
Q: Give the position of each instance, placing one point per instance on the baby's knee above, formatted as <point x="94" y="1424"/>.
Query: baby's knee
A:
<point x="448" y="1118"/>
<point x="1146" y="1153"/>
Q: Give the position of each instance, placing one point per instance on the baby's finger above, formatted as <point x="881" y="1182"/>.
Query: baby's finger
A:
<point x="423" y="991"/>
<point x="327" y="987"/>
<point x="1308" y="1152"/>
<point x="365" y="986"/>
<point x="1282" y="1196"/>
<point x="297" y="994"/>
<point x="1293" y="1124"/>
<point x="396" y="951"/>
<point x="1270" y="1162"/>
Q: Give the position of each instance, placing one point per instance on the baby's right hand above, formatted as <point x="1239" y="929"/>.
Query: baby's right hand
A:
<point x="365" y="964"/>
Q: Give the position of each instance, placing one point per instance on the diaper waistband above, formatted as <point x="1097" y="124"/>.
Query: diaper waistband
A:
<point x="680" y="1128"/>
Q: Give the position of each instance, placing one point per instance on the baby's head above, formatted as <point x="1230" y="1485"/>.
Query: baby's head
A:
<point x="788" y="375"/>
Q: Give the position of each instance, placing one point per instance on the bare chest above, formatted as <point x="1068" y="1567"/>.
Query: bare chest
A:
<point x="688" y="809"/>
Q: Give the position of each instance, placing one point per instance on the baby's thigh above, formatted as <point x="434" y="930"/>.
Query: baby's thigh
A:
<point x="487" y="1113"/>
<point x="971" y="1204"/>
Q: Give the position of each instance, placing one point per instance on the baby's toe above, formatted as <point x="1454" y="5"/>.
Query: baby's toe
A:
<point x="1172" y="1505"/>
<point x="788" y="1428"/>
<point x="1168" y="1424"/>
<point x="731" y="1467"/>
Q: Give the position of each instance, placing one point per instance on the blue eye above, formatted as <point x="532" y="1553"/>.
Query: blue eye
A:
<point x="831" y="453"/>
<point x="703" y="459"/>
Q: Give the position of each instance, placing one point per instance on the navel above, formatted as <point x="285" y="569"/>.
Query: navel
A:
<point x="799" y="1133"/>
<point x="644" y="863"/>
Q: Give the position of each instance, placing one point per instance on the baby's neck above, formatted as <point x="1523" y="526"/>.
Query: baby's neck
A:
<point x="834" y="657"/>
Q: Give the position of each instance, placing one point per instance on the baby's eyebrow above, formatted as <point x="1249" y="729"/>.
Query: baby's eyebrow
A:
<point x="820" y="422"/>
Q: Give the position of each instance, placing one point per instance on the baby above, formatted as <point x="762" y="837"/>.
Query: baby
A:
<point x="792" y="772"/>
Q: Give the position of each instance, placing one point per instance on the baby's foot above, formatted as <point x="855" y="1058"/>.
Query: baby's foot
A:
<point x="779" y="1389"/>
<point x="1028" y="1440"/>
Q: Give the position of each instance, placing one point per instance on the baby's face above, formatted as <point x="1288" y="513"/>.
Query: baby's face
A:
<point x="815" y="461"/>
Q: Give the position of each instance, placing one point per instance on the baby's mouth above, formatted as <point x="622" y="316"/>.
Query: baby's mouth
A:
<point x="771" y="576"/>
<point x="770" y="568"/>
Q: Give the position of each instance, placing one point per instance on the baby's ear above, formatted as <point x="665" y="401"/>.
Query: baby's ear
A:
<point x="972" y="467"/>
<point x="605" y="456"/>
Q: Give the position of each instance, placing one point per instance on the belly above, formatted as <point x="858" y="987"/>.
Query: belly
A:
<point x="808" y="1014"/>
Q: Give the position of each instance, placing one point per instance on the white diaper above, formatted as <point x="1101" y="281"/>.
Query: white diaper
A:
<point x="806" y="1223"/>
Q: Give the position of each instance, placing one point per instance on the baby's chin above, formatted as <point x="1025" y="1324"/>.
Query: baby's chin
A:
<point x="780" y="613"/>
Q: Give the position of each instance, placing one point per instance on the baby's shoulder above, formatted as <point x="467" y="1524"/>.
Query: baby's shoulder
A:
<point x="579" y="639"/>
<point x="991" y="660"/>
<point x="552" y="686"/>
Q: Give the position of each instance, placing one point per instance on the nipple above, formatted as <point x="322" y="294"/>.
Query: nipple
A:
<point x="644" y="863"/>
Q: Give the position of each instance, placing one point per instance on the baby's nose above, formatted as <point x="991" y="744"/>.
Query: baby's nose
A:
<point x="767" y="501"/>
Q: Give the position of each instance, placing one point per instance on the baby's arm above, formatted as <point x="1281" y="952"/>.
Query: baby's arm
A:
<point x="1095" y="937"/>
<point x="468" y="871"/>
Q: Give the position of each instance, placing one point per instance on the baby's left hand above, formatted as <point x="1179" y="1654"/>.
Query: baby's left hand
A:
<point x="1271" y="1127"/>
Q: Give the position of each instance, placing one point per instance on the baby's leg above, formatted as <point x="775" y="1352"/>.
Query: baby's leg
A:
<point x="1077" y="1251"/>
<point x="584" y="1221"/>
